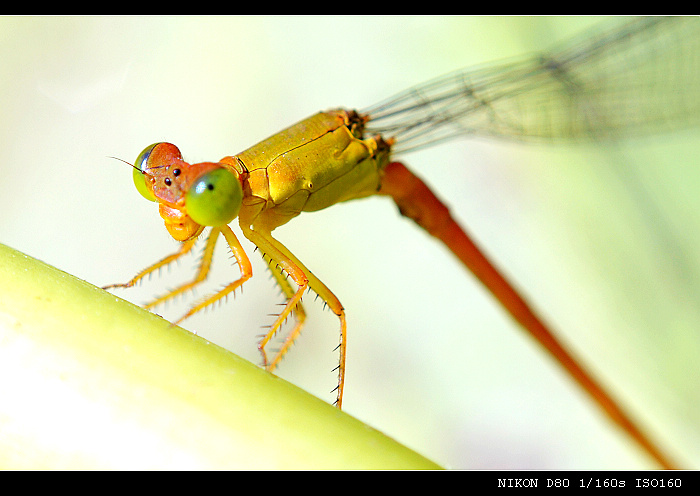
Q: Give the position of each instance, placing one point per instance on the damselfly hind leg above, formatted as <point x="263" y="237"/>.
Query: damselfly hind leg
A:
<point x="303" y="278"/>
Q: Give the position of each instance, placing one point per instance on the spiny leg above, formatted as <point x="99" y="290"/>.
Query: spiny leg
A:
<point x="416" y="201"/>
<point x="202" y="271"/>
<point x="243" y="263"/>
<point x="299" y="315"/>
<point x="185" y="248"/>
<point x="304" y="279"/>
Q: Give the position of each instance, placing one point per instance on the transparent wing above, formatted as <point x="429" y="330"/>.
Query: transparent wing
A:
<point x="640" y="77"/>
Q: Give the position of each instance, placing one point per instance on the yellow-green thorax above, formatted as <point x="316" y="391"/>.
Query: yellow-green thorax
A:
<point x="316" y="163"/>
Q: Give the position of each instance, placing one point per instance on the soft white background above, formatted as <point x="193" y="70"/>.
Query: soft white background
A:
<point x="432" y="361"/>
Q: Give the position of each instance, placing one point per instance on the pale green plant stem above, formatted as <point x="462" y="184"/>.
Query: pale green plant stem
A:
<point x="90" y="381"/>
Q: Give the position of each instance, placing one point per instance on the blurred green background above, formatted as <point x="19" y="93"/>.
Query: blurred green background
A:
<point x="610" y="262"/>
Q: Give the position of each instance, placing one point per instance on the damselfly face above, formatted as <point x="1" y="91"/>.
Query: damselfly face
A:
<point x="190" y="196"/>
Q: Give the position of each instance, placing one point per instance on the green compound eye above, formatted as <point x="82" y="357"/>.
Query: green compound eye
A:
<point x="139" y="178"/>
<point x="215" y="198"/>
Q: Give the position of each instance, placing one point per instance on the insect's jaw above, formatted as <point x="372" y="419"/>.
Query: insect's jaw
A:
<point x="178" y="224"/>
